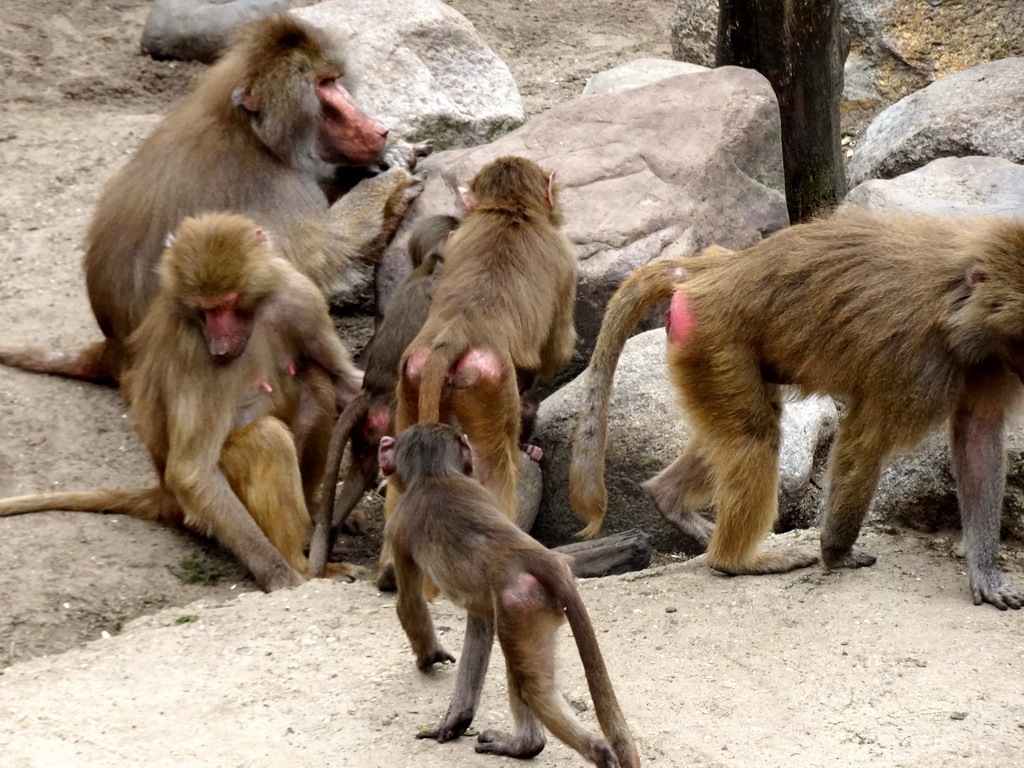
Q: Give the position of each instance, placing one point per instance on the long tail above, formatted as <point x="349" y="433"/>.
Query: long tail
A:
<point x="97" y="363"/>
<point x="444" y="354"/>
<point x="560" y="582"/>
<point x="641" y="290"/>
<point x="155" y="504"/>
<point x="320" y="543"/>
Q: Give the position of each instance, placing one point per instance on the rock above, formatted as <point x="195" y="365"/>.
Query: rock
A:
<point x="694" y="31"/>
<point x="421" y="68"/>
<point x="976" y="112"/>
<point x="198" y="30"/>
<point x="529" y="488"/>
<point x="647" y="430"/>
<point x="906" y="45"/>
<point x="660" y="170"/>
<point x="633" y="74"/>
<point x="949" y="185"/>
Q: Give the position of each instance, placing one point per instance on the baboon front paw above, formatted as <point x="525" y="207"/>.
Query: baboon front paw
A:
<point x="452" y="727"/>
<point x="989" y="586"/>
<point x="438" y="656"/>
<point x="499" y="743"/>
<point x="846" y="558"/>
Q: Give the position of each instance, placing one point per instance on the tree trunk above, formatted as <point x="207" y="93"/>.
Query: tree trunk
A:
<point x="799" y="46"/>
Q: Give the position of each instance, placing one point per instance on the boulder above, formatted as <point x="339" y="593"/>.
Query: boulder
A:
<point x="633" y="74"/>
<point x="907" y="45"/>
<point x="422" y="69"/>
<point x="976" y="112"/>
<point x="694" y="31"/>
<point x="949" y="185"/>
<point x="661" y="170"/>
<point x="198" y="30"/>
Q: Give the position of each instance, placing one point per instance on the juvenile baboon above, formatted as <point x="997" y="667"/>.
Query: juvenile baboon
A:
<point x="913" y="320"/>
<point x="253" y="137"/>
<point x="502" y="313"/>
<point x="236" y="369"/>
<point x="448" y="526"/>
<point x="501" y="318"/>
<point x="370" y="415"/>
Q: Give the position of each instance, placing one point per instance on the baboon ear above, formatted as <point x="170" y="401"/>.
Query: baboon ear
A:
<point x="976" y="275"/>
<point x="386" y="455"/>
<point x="261" y="235"/>
<point x="551" y="190"/>
<point x="467" y="456"/>
<point x="242" y="96"/>
<point x="467" y="198"/>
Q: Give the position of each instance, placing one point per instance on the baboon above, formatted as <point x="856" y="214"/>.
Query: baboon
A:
<point x="502" y="317"/>
<point x="370" y="415"/>
<point x="236" y="369"/>
<point x="502" y="313"/>
<point x="913" y="320"/>
<point x="448" y="526"/>
<point x="253" y="137"/>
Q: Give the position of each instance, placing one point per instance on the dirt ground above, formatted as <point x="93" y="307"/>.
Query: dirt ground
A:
<point x="889" y="666"/>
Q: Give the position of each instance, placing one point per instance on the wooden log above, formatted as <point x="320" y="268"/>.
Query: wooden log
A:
<point x="610" y="555"/>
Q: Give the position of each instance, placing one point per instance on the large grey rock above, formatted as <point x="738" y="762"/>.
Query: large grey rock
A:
<point x="422" y="69"/>
<point x="635" y="73"/>
<point x="694" y="31"/>
<point x="646" y="431"/>
<point x="949" y="185"/>
<point x="906" y="44"/>
<point x="198" y="30"/>
<point x="660" y="170"/>
<point x="976" y="112"/>
<point x="917" y="489"/>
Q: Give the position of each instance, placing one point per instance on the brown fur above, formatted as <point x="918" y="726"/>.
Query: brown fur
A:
<point x="447" y="526"/>
<point x="502" y="309"/>
<point x="370" y="415"/>
<point x="237" y="440"/>
<point x="251" y="138"/>
<point x="914" y="320"/>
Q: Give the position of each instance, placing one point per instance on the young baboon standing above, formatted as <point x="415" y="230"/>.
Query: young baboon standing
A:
<point x="236" y="369"/>
<point x="501" y="316"/>
<point x="913" y="320"/>
<point x="502" y="311"/>
<point x="447" y="526"/>
<point x="252" y="137"/>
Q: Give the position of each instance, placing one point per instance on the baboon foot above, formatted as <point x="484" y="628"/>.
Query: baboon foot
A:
<point x="500" y="743"/>
<point x="386" y="579"/>
<point x="846" y="557"/>
<point x="989" y="586"/>
<point x="770" y="562"/>
<point x="346" y="572"/>
<point x="452" y="727"/>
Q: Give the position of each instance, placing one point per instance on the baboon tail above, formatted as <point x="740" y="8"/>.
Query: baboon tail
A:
<point x="641" y="290"/>
<point x="155" y="504"/>
<point x="98" y="362"/>
<point x="323" y="515"/>
<point x="443" y="355"/>
<point x="559" y="581"/>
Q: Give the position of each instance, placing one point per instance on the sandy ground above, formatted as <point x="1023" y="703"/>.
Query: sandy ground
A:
<point x="889" y="666"/>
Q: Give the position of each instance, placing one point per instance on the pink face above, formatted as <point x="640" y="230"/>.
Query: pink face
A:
<point x="347" y="135"/>
<point x="226" y="330"/>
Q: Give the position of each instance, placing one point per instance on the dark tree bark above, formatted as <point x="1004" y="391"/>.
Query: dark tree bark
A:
<point x="799" y="46"/>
